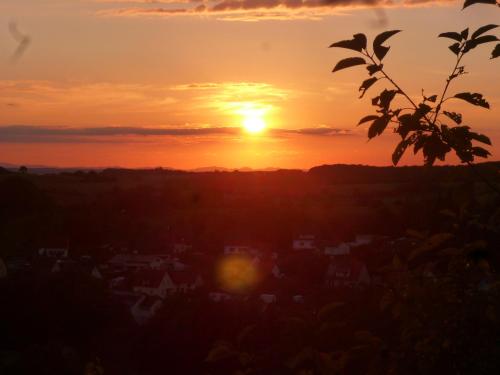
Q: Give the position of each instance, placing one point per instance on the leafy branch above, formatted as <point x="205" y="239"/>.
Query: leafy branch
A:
<point x="421" y="125"/>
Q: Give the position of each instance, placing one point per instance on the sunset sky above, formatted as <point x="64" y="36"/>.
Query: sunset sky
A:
<point x="172" y="83"/>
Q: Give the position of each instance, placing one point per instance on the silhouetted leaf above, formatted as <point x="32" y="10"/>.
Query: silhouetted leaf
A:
<point x="382" y="37"/>
<point x="378" y="126"/>
<point x="367" y="118"/>
<point x="482" y="30"/>
<point x="451" y="35"/>
<point x="358" y="43"/>
<point x="465" y="33"/>
<point x="400" y="149"/>
<point x="372" y="69"/>
<point x="422" y="110"/>
<point x="407" y="123"/>
<point x="496" y="52"/>
<point x="349" y="62"/>
<point x="434" y="148"/>
<point x="473" y="98"/>
<point x="378" y="48"/>
<point x="481" y="152"/>
<point x="367" y="83"/>
<point x="455" y="48"/>
<point x="480" y="138"/>
<point x="419" y="143"/>
<point x="381" y="51"/>
<point x="473" y="43"/>
<point x="432" y="98"/>
<point x="386" y="98"/>
<point x="457" y="117"/>
<point x="468" y="3"/>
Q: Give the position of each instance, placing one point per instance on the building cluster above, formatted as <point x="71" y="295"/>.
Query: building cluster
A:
<point x="143" y="283"/>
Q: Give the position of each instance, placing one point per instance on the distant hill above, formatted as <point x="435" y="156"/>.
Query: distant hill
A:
<point x="330" y="174"/>
<point x="4" y="171"/>
<point x="345" y="173"/>
<point x="43" y="169"/>
<point x="243" y="169"/>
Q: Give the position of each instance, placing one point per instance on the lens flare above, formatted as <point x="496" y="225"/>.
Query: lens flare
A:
<point x="237" y="274"/>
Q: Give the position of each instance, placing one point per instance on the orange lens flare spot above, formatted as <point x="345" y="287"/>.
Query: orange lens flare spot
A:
<point x="237" y="274"/>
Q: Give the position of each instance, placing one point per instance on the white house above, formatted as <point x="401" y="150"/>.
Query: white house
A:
<point x="304" y="242"/>
<point x="339" y="249"/>
<point x="268" y="298"/>
<point x="219" y="296"/>
<point x="362" y="239"/>
<point x="152" y="283"/>
<point x="239" y="249"/>
<point x="54" y="252"/>
<point x="145" y="308"/>
<point x="136" y="261"/>
<point x="73" y="267"/>
<point x="298" y="298"/>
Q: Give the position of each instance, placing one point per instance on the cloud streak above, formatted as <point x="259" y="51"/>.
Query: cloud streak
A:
<point x="253" y="10"/>
<point x="48" y="134"/>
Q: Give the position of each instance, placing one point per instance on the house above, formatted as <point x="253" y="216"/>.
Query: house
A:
<point x="145" y="308"/>
<point x="239" y="250"/>
<point x="160" y="282"/>
<point x="175" y="265"/>
<point x="181" y="247"/>
<point x="268" y="298"/>
<point x="71" y="266"/>
<point x="219" y="296"/>
<point x="304" y="242"/>
<point x="185" y="281"/>
<point x="54" y="252"/>
<point x="3" y="269"/>
<point x="152" y="282"/>
<point x="345" y="271"/>
<point x="136" y="262"/>
<point x="362" y="239"/>
<point x="338" y="249"/>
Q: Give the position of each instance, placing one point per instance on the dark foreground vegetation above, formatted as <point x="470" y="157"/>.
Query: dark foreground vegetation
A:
<point x="360" y="270"/>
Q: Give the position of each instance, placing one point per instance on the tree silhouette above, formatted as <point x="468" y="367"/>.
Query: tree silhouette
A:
<point x="423" y="125"/>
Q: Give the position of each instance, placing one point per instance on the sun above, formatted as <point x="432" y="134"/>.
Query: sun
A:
<point x="254" y="124"/>
<point x="253" y="119"/>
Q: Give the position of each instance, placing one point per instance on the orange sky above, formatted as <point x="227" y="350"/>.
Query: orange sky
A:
<point x="170" y="83"/>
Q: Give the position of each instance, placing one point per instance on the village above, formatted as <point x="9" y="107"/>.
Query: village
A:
<point x="305" y="274"/>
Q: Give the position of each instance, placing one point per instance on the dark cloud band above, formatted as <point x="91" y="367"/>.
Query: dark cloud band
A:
<point x="40" y="134"/>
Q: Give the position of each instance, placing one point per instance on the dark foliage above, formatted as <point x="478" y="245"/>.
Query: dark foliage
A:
<point x="422" y="126"/>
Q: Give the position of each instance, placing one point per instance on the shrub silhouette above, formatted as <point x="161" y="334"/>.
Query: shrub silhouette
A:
<point x="423" y="125"/>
